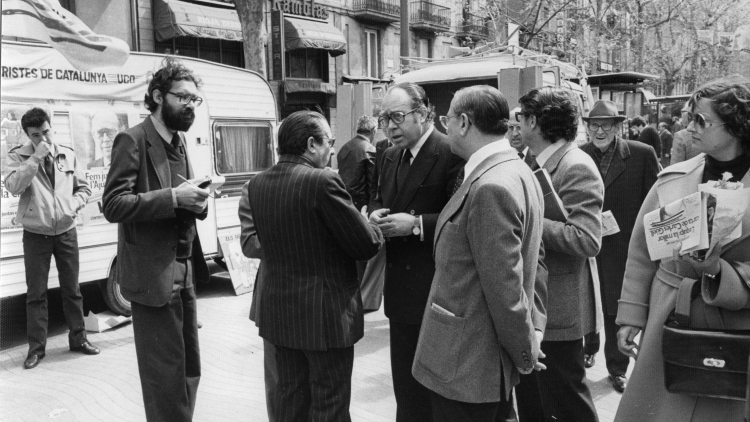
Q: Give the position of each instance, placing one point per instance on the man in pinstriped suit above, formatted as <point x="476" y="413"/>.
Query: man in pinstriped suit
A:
<point x="310" y="307"/>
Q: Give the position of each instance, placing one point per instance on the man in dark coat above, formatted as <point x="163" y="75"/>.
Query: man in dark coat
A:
<point x="646" y="134"/>
<point x="628" y="169"/>
<point x="665" y="137"/>
<point x="418" y="176"/>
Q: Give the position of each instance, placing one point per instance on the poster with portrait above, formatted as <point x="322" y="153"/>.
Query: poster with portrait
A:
<point x="11" y="133"/>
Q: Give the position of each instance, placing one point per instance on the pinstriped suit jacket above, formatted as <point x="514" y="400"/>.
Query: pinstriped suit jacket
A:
<point x="311" y="236"/>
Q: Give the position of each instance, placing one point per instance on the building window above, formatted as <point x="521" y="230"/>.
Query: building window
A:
<point x="218" y="51"/>
<point x="242" y="147"/>
<point x="373" y="70"/>
<point x="307" y="63"/>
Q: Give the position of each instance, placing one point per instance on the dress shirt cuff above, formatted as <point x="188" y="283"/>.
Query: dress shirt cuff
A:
<point x="421" y="229"/>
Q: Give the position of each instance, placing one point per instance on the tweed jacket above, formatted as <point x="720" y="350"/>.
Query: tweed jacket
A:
<point x="311" y="237"/>
<point x="138" y="196"/>
<point x="573" y="302"/>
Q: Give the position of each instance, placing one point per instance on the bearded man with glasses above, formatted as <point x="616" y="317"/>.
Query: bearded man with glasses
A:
<point x="629" y="169"/>
<point x="418" y="176"/>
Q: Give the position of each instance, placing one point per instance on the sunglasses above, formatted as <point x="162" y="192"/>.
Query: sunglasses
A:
<point x="699" y="122"/>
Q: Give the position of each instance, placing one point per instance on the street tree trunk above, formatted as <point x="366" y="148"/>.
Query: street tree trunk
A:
<point x="251" y="20"/>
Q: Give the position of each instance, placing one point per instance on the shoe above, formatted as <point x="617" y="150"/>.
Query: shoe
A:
<point x="619" y="382"/>
<point x="32" y="361"/>
<point x="589" y="361"/>
<point x="86" y="348"/>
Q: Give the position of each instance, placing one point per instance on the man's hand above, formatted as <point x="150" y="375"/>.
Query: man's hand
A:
<point x="377" y="216"/>
<point x="626" y="342"/>
<point x="394" y="225"/>
<point x="191" y="197"/>
<point x="42" y="150"/>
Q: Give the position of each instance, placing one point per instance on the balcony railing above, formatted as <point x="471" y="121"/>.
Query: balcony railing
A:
<point x="377" y="10"/>
<point x="474" y="27"/>
<point x="428" y="16"/>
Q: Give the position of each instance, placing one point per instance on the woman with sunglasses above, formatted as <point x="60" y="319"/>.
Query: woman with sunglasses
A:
<point x="720" y="130"/>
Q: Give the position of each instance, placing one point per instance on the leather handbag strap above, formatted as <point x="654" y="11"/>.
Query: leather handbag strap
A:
<point x="684" y="297"/>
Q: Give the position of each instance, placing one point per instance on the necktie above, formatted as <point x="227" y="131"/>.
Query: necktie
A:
<point x="520" y="155"/>
<point x="49" y="168"/>
<point x="459" y="182"/>
<point x="403" y="168"/>
<point x="176" y="141"/>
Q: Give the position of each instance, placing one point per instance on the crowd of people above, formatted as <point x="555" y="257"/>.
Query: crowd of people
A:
<point x="485" y="244"/>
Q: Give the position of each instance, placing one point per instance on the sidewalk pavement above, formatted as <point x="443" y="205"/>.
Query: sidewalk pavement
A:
<point x="69" y="386"/>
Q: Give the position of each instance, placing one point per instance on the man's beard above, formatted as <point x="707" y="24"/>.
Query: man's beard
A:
<point x="177" y="120"/>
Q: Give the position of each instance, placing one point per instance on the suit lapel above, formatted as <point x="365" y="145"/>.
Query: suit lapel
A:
<point x="157" y="154"/>
<point x="420" y="168"/>
<point x="617" y="166"/>
<point x="388" y="187"/>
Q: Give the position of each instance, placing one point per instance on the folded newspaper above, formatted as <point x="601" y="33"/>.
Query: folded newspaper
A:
<point x="699" y="222"/>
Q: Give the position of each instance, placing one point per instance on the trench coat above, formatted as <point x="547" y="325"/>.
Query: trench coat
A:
<point x="649" y="294"/>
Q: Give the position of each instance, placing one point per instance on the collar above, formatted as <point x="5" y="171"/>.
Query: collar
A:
<point x="544" y="155"/>
<point x="361" y="136"/>
<point x="415" y="149"/>
<point x="53" y="148"/>
<point x="163" y="131"/>
<point x="525" y="152"/>
<point x="482" y="153"/>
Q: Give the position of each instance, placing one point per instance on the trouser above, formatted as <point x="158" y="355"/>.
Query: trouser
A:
<point x="373" y="282"/>
<point x="447" y="410"/>
<point x="617" y="363"/>
<point x="166" y="345"/>
<point x="413" y="402"/>
<point x="38" y="250"/>
<point x="312" y="385"/>
<point x="563" y="393"/>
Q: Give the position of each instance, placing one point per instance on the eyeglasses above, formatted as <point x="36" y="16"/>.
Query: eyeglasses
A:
<point x="111" y="133"/>
<point x="187" y="98"/>
<point x="520" y="114"/>
<point x="396" y="117"/>
<point x="331" y="141"/>
<point x="594" y="127"/>
<point x="699" y="122"/>
<point x="444" y="120"/>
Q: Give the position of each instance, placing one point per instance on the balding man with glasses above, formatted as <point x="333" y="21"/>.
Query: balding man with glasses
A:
<point x="418" y="177"/>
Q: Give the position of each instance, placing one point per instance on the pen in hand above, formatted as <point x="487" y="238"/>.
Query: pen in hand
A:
<point x="209" y="193"/>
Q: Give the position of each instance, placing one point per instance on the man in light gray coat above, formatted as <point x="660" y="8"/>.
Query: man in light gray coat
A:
<point x="549" y="121"/>
<point x="480" y="310"/>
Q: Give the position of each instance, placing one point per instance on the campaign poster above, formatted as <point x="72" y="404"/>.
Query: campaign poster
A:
<point x="93" y="133"/>
<point x="242" y="270"/>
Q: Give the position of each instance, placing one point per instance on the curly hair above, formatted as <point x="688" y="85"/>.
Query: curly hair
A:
<point x="638" y="121"/>
<point x="367" y="124"/>
<point x="418" y="97"/>
<point x="486" y="106"/>
<point x="34" y="118"/>
<point x="556" y="111"/>
<point x="172" y="70"/>
<point x="297" y="128"/>
<point x="730" y="100"/>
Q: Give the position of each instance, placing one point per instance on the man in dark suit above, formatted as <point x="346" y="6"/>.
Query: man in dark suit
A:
<point x="159" y="255"/>
<point x="309" y="307"/>
<point x="417" y="179"/>
<point x="646" y="134"/>
<point x="514" y="136"/>
<point x="665" y="139"/>
<point x="549" y="122"/>
<point x="480" y="306"/>
<point x="629" y="170"/>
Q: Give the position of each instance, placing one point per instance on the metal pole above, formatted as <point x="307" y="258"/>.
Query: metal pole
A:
<point x="404" y="30"/>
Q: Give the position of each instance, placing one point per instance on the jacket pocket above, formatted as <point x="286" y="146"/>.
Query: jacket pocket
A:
<point x="563" y="305"/>
<point x="440" y="344"/>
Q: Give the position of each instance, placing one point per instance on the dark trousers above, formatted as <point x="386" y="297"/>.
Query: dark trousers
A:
<point x="312" y="385"/>
<point x="271" y="377"/>
<point x="563" y="394"/>
<point x="617" y="363"/>
<point x="447" y="410"/>
<point x="413" y="402"/>
<point x="166" y="345"/>
<point x="38" y="250"/>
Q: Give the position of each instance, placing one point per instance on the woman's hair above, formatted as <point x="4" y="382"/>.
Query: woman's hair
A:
<point x="730" y="100"/>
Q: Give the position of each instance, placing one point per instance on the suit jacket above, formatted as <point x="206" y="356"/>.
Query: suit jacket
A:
<point x="573" y="305"/>
<point x="630" y="176"/>
<point x="138" y="196"/>
<point x="380" y="147"/>
<point x="356" y="166"/>
<point x="410" y="265"/>
<point x="650" y="136"/>
<point x="311" y="237"/>
<point x="487" y="282"/>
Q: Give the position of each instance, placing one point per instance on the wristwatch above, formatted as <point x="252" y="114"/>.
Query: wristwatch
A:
<point x="415" y="230"/>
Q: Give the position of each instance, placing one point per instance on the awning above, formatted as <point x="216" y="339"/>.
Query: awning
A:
<point x="179" y="19"/>
<point x="300" y="33"/>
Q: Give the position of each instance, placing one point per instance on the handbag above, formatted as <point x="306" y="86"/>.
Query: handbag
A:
<point x="706" y="348"/>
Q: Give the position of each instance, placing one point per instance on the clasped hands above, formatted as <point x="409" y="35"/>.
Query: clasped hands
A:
<point x="392" y="225"/>
<point x="190" y="196"/>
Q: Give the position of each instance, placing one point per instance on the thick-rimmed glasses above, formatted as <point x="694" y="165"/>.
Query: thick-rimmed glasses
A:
<point x="520" y="114"/>
<point x="396" y="117"/>
<point x="594" y="127"/>
<point x="187" y="98"/>
<point x="444" y="120"/>
<point x="699" y="122"/>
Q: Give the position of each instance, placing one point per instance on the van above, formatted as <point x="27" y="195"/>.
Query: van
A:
<point x="232" y="137"/>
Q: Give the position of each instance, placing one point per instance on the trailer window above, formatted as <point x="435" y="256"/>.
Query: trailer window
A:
<point x="242" y="148"/>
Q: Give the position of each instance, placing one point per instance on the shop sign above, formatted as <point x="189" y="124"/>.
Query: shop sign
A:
<point x="277" y="45"/>
<point x="291" y="86"/>
<point x="306" y="8"/>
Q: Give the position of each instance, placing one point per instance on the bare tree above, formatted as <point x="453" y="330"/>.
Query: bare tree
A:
<point x="251" y="20"/>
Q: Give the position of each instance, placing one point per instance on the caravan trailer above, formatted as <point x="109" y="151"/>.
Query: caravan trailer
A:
<point x="232" y="137"/>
